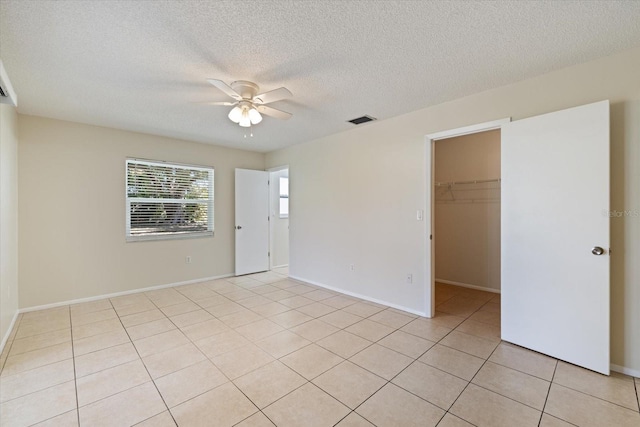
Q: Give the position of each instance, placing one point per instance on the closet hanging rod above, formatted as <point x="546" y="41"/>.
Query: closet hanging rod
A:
<point x="478" y="181"/>
<point x="466" y="201"/>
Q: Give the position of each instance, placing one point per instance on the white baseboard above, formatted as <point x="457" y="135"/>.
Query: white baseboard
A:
<point x="357" y="295"/>
<point x="280" y="266"/>
<point x="466" y="285"/>
<point x="8" y="334"/>
<point x="118" y="294"/>
<point x="625" y="370"/>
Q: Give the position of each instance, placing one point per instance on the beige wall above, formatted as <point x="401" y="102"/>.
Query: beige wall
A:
<point x="72" y="212"/>
<point x="467" y="217"/>
<point x="354" y="194"/>
<point x="8" y="217"/>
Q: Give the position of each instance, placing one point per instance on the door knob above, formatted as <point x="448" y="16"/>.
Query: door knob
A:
<point x="597" y="250"/>
<point x="239" y="227"/>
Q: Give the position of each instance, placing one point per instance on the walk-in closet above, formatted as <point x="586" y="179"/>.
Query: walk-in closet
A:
<point x="467" y="224"/>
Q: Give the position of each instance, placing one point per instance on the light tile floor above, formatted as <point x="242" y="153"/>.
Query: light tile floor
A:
<point x="263" y="350"/>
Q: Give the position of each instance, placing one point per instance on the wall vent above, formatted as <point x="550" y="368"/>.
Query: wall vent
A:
<point x="363" y="119"/>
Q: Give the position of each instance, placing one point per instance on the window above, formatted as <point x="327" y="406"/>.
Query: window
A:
<point x="284" y="197"/>
<point x="167" y="200"/>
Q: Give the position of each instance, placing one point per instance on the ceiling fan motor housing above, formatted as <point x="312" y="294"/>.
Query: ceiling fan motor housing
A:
<point x="247" y="90"/>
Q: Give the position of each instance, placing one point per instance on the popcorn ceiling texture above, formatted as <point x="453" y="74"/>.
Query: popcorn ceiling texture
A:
<point x="142" y="66"/>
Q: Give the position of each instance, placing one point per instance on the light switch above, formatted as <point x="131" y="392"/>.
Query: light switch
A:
<point x="419" y="213"/>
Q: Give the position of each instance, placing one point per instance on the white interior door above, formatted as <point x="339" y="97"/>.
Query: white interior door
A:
<point x="555" y="203"/>
<point x="252" y="221"/>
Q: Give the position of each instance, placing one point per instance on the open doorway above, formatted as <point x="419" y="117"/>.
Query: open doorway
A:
<point x="464" y="181"/>
<point x="466" y="229"/>
<point x="279" y="220"/>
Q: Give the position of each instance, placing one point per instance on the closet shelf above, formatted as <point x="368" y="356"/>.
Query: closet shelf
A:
<point x="476" y="191"/>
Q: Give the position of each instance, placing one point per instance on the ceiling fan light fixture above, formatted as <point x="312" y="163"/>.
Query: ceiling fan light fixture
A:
<point x="254" y="116"/>
<point x="245" y="121"/>
<point x="250" y="106"/>
<point x="235" y="114"/>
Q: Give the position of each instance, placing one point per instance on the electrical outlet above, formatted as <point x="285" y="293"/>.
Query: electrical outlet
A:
<point x="352" y="267"/>
<point x="409" y="278"/>
<point x="187" y="260"/>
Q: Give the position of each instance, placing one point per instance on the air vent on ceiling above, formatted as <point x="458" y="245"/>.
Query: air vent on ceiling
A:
<point x="363" y="119"/>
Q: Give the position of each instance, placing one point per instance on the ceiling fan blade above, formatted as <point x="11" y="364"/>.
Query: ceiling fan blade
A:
<point x="273" y="112"/>
<point x="272" y="96"/>
<point x="229" y="103"/>
<point x="225" y="88"/>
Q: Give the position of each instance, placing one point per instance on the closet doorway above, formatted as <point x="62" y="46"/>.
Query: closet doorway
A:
<point x="472" y="183"/>
<point x="466" y="229"/>
<point x="555" y="193"/>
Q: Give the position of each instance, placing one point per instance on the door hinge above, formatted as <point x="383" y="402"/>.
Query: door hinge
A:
<point x="268" y="253"/>
<point x="430" y="236"/>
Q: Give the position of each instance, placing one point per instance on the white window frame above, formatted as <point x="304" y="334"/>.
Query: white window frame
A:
<point x="169" y="235"/>
<point x="283" y="196"/>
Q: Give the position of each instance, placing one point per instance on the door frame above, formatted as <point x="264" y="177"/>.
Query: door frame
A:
<point x="270" y="170"/>
<point x="430" y="139"/>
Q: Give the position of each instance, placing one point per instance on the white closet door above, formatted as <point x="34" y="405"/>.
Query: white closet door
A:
<point x="555" y="199"/>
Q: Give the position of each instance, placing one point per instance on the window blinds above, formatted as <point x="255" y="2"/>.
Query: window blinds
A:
<point x="168" y="200"/>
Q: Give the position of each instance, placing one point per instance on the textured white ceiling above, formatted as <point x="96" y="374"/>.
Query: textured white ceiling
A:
<point x="142" y="65"/>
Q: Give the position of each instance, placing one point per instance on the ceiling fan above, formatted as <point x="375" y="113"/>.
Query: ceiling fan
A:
<point x="249" y="103"/>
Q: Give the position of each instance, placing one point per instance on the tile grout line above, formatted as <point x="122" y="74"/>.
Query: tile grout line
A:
<point x="487" y="360"/>
<point x="229" y="380"/>
<point x="558" y="361"/>
<point x="40" y="333"/>
<point x="314" y="342"/>
<point x="594" y="397"/>
<point x="9" y="345"/>
<point x="232" y="381"/>
<point x="35" y="349"/>
<point x="75" y="376"/>
<point x="635" y="385"/>
<point x="307" y="381"/>
<point x="351" y="411"/>
<point x="550" y="382"/>
<point x="546" y="399"/>
<point x="415" y="360"/>
<point x="130" y="341"/>
<point x="68" y="307"/>
<point x="481" y="366"/>
<point x="145" y="368"/>
<point x="518" y="370"/>
<point x="49" y="387"/>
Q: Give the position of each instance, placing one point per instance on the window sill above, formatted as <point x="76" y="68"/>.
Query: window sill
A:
<point x="174" y="236"/>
